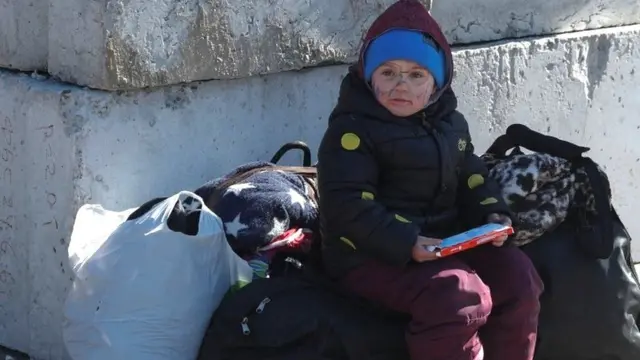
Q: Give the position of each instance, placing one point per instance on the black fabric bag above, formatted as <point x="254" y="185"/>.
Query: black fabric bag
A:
<point x="298" y="314"/>
<point x="589" y="311"/>
<point x="293" y="317"/>
<point x="590" y="308"/>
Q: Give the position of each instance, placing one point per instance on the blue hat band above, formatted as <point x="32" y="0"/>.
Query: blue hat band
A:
<point x="405" y="45"/>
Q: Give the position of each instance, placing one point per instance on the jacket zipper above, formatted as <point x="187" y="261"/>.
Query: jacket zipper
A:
<point x="429" y="127"/>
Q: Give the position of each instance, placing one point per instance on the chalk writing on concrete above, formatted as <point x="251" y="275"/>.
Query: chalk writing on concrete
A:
<point x="49" y="223"/>
<point x="6" y="277"/>
<point x="8" y="256"/>
<point x="49" y="175"/>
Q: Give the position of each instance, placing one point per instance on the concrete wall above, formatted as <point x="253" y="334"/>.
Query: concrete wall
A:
<point x="24" y="34"/>
<point x="63" y="146"/>
<point x="121" y="44"/>
<point x="475" y="21"/>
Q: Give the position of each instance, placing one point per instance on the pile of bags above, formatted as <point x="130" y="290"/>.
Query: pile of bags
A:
<point x="231" y="270"/>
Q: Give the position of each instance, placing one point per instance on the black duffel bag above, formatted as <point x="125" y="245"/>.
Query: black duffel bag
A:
<point x="299" y="314"/>
<point x="590" y="309"/>
<point x="296" y="317"/>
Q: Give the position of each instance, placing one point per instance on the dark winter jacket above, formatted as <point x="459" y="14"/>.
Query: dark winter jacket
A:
<point x="384" y="179"/>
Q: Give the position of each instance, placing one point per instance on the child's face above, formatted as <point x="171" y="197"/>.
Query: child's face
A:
<point x="402" y="87"/>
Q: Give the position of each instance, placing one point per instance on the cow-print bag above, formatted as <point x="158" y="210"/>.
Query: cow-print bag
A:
<point x="566" y="224"/>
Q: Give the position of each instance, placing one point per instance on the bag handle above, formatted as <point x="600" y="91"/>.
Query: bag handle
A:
<point x="596" y="240"/>
<point x="519" y="135"/>
<point x="145" y="208"/>
<point x="176" y="220"/>
<point x="306" y="152"/>
<point x="306" y="170"/>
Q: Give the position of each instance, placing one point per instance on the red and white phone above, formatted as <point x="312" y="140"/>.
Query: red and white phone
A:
<point x="470" y="239"/>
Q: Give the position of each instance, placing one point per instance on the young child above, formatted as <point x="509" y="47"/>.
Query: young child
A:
<point x="397" y="172"/>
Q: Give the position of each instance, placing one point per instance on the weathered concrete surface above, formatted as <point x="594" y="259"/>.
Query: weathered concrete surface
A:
<point x="121" y="44"/>
<point x="63" y="146"/>
<point x="476" y="21"/>
<point x="24" y="34"/>
<point x="118" y="44"/>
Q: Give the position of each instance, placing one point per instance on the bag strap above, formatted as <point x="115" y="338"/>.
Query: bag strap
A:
<point x="300" y="170"/>
<point x="519" y="135"/>
<point x="597" y="240"/>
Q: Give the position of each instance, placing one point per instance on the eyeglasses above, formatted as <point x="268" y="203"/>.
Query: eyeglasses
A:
<point x="395" y="77"/>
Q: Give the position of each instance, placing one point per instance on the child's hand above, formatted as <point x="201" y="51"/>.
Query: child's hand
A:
<point x="420" y="252"/>
<point x="499" y="219"/>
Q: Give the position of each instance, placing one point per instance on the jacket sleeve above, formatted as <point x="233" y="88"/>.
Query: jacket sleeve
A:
<point x="479" y="195"/>
<point x="347" y="184"/>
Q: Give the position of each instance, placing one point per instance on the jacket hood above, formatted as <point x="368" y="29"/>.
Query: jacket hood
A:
<point x="356" y="96"/>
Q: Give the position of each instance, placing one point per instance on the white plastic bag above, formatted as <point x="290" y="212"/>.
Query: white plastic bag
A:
<point x="92" y="227"/>
<point x="147" y="292"/>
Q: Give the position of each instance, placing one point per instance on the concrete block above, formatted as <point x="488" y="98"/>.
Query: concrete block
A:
<point x="120" y="44"/>
<point x="63" y="146"/>
<point x="476" y="21"/>
<point x="24" y="34"/>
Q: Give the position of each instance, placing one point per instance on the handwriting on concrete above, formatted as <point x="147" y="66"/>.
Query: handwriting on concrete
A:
<point x="8" y="215"/>
<point x="49" y="223"/>
<point x="49" y="174"/>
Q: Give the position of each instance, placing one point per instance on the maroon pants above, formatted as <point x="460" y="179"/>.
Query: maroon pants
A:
<point x="478" y="304"/>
